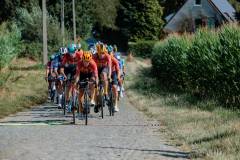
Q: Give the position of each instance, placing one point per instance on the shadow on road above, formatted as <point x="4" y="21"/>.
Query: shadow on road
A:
<point x="166" y="153"/>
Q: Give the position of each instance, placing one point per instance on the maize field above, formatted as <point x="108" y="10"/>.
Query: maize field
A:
<point x="206" y="63"/>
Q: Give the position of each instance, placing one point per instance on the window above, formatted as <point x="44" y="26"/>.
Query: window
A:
<point x="198" y="2"/>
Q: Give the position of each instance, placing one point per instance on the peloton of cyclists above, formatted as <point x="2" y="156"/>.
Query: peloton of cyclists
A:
<point x="101" y="63"/>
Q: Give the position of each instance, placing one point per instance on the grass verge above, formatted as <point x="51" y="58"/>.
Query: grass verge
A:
<point x="203" y="128"/>
<point x="21" y="86"/>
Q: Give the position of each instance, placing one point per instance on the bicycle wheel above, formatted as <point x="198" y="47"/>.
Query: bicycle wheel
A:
<point x="73" y="110"/>
<point x="102" y="103"/>
<point x="110" y="103"/>
<point x="63" y="103"/>
<point x="52" y="93"/>
<point x="74" y="104"/>
<point x="86" y="107"/>
<point x="64" y="99"/>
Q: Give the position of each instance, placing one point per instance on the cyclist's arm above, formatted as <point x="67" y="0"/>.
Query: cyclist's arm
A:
<point x="77" y="75"/>
<point x="110" y="67"/>
<point x="115" y="61"/>
<point x="95" y="71"/>
<point x="62" y="71"/>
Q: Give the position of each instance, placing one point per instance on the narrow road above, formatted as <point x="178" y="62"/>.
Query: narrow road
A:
<point x="43" y="133"/>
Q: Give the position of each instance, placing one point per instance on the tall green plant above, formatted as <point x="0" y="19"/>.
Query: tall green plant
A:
<point x="208" y="64"/>
<point x="10" y="37"/>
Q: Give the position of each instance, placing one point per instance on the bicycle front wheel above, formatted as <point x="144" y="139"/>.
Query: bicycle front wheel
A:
<point x="86" y="107"/>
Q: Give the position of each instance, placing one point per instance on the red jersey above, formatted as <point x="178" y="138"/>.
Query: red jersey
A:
<point x="67" y="59"/>
<point x="105" y="62"/>
<point x="115" y="65"/>
<point x="91" y="68"/>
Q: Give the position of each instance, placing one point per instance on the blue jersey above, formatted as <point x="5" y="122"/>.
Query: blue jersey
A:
<point x="121" y="61"/>
<point x="56" y="62"/>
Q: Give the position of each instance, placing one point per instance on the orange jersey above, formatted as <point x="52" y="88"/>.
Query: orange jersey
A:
<point x="105" y="62"/>
<point x="115" y="65"/>
<point x="67" y="59"/>
<point x="91" y="68"/>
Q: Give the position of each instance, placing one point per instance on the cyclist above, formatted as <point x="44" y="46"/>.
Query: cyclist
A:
<point x="48" y="74"/>
<point x="115" y="77"/>
<point x="87" y="69"/>
<point x="56" y="65"/>
<point x="121" y="62"/>
<point x="68" y="68"/>
<point x="103" y="61"/>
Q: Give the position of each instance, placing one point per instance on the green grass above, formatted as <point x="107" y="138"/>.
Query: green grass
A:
<point x="22" y="86"/>
<point x="201" y="127"/>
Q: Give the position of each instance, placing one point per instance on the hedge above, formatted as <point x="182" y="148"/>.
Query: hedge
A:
<point x="141" y="48"/>
<point x="207" y="63"/>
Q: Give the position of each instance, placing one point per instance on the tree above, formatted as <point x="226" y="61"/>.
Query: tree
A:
<point x="171" y="6"/>
<point x="105" y="12"/>
<point x="140" y="19"/>
<point x="9" y="8"/>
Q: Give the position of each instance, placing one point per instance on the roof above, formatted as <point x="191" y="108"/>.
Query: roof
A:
<point x="225" y="8"/>
<point x="169" y="16"/>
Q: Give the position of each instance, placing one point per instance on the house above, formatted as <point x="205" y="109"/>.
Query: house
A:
<point x="196" y="13"/>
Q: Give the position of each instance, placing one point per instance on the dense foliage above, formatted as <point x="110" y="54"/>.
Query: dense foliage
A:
<point x="10" y="45"/>
<point x="141" y="48"/>
<point x="140" y="19"/>
<point x="113" y="21"/>
<point x="206" y="64"/>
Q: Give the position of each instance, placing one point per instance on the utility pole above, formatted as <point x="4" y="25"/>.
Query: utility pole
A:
<point x="44" y="15"/>
<point x="74" y="21"/>
<point x="62" y="22"/>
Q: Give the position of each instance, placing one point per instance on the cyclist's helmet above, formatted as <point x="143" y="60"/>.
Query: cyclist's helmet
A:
<point x="71" y="49"/>
<point x="114" y="48"/>
<point x="101" y="49"/>
<point x="63" y="50"/>
<point x="110" y="49"/>
<point x="87" y="56"/>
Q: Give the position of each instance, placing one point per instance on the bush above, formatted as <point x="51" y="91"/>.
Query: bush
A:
<point x="169" y="65"/>
<point x="10" y="43"/>
<point x="206" y="63"/>
<point x="141" y="48"/>
<point x="31" y="28"/>
<point x="229" y="64"/>
<point x="203" y="62"/>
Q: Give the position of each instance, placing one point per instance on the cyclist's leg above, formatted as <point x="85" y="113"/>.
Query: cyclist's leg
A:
<point x="53" y="86"/>
<point x="80" y="99"/>
<point x="60" y="89"/>
<point x="115" y="91"/>
<point x="121" y="85"/>
<point x="81" y="91"/>
<point x="49" y="85"/>
<point x="69" y="73"/>
<point x="104" y="75"/>
<point x="92" y="90"/>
